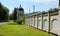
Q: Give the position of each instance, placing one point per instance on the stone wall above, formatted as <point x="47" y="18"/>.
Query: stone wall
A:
<point x="47" y="21"/>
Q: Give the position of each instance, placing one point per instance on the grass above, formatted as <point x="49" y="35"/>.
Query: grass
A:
<point x="20" y="30"/>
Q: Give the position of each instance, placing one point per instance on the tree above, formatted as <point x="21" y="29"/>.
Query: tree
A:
<point x="56" y="9"/>
<point x="4" y="12"/>
<point x="53" y="10"/>
<point x="10" y="16"/>
<point x="14" y="14"/>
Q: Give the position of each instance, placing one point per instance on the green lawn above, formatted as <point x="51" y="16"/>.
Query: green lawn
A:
<point x="20" y="30"/>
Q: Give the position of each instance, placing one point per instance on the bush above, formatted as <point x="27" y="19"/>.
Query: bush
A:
<point x="14" y="20"/>
<point x="19" y="22"/>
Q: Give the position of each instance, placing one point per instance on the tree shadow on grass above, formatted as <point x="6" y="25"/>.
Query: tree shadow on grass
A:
<point x="1" y="35"/>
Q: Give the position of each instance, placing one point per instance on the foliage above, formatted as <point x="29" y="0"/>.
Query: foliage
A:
<point x="4" y="12"/>
<point x="53" y="10"/>
<point x="10" y="16"/>
<point x="14" y="15"/>
<point x="56" y="9"/>
<point x="21" y="20"/>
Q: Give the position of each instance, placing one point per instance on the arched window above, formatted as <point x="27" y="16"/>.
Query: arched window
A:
<point x="45" y="25"/>
<point x="54" y="24"/>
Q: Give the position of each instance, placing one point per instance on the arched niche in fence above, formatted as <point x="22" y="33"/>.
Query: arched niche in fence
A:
<point x="54" y="24"/>
<point x="45" y="25"/>
<point x="39" y="24"/>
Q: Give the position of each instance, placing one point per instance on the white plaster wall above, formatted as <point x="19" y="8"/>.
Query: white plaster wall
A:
<point x="45" y="25"/>
<point x="59" y="22"/>
<point x="36" y="21"/>
<point x="26" y="21"/>
<point x="39" y="22"/>
<point x="32" y="21"/>
<point x="56" y="27"/>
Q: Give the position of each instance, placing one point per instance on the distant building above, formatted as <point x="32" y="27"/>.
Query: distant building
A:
<point x="20" y="12"/>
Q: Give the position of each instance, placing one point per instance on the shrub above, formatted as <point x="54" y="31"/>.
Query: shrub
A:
<point x="19" y="22"/>
<point x="14" y="20"/>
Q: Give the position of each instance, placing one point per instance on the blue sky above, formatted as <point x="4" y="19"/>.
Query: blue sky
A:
<point x="40" y="5"/>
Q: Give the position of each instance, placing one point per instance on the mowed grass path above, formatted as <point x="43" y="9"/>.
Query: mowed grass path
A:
<point x="21" y="30"/>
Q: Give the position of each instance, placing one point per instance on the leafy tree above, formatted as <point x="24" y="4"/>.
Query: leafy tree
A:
<point x="14" y="14"/>
<point x="4" y="12"/>
<point x="53" y="10"/>
<point x="56" y="9"/>
<point x="10" y="17"/>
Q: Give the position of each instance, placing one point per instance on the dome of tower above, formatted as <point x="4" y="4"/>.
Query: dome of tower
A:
<point x="20" y="8"/>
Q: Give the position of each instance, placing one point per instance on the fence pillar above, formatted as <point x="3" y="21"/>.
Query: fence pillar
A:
<point x="42" y="20"/>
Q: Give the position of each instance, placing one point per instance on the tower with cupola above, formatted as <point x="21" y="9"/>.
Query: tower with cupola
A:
<point x="20" y="12"/>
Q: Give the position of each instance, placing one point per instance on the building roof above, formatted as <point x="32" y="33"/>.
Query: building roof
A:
<point x="20" y="8"/>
